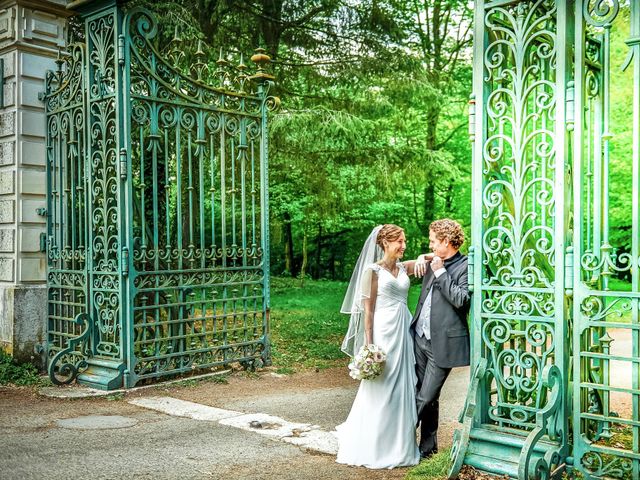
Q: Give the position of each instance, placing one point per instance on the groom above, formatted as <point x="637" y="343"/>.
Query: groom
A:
<point x="439" y="326"/>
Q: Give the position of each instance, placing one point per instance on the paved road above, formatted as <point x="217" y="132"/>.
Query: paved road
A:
<point x="33" y="444"/>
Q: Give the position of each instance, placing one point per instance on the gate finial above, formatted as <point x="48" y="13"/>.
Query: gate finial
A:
<point x="261" y="59"/>
<point x="200" y="66"/>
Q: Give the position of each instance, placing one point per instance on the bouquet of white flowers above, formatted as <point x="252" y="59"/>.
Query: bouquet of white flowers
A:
<point x="368" y="363"/>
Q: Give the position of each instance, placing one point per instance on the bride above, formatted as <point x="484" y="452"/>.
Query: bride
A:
<point x="380" y="431"/>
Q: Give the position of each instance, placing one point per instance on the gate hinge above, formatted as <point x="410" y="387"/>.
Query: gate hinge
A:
<point x="40" y="348"/>
<point x="125" y="261"/>
<point x="571" y="114"/>
<point x="43" y="242"/>
<point x="121" y="50"/>
<point x="568" y="271"/>
<point x="123" y="164"/>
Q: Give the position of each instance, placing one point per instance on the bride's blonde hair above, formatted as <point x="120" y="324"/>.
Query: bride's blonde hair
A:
<point x="390" y="233"/>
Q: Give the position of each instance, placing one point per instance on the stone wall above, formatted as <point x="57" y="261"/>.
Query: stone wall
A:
<point x="31" y="32"/>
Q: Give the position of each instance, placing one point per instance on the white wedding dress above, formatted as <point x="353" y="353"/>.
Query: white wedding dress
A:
<point x="380" y="431"/>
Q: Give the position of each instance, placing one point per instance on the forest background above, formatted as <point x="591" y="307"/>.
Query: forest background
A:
<point x="372" y="126"/>
<point x="373" y="122"/>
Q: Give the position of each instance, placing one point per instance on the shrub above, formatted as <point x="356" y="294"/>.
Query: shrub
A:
<point x="15" y="373"/>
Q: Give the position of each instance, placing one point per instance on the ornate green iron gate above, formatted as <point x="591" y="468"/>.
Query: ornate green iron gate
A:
<point x="546" y="317"/>
<point x="157" y="207"/>
<point x="606" y="375"/>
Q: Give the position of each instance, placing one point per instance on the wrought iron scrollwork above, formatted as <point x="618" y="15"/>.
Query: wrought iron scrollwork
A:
<point x="467" y="414"/>
<point x="548" y="422"/>
<point x="67" y="363"/>
<point x="199" y="194"/>
<point x="158" y="204"/>
<point x="601" y="465"/>
<point x="600" y="13"/>
<point x="596" y="308"/>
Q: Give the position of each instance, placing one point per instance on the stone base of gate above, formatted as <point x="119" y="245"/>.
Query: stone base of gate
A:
<point x="102" y="374"/>
<point x="499" y="451"/>
<point x="23" y="317"/>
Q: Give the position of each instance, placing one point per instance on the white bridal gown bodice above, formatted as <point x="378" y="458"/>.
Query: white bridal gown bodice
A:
<point x="380" y="431"/>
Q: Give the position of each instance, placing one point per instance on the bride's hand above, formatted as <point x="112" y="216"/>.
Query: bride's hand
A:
<point x="420" y="268"/>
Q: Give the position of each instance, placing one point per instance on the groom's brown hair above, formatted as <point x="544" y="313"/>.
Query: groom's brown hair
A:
<point x="447" y="229"/>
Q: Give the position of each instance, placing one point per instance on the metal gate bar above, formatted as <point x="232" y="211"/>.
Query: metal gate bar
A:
<point x="162" y="204"/>
<point x="544" y="258"/>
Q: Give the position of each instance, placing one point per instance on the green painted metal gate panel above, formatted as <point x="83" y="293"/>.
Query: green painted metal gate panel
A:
<point x="68" y="249"/>
<point x="516" y="415"/>
<point x="158" y="207"/>
<point x="199" y="213"/>
<point x="547" y="328"/>
<point x="606" y="438"/>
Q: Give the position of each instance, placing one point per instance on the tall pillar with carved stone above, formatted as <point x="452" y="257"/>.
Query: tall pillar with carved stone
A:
<point x="31" y="32"/>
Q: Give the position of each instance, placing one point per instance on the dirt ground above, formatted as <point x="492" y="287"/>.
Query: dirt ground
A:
<point x="28" y="421"/>
<point x="241" y="384"/>
<point x="33" y="445"/>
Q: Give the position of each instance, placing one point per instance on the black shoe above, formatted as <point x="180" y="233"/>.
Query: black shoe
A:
<point x="428" y="454"/>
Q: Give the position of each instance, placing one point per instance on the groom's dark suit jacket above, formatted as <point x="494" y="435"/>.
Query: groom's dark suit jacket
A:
<point x="449" y="309"/>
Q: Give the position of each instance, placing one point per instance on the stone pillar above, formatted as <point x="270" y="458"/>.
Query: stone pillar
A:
<point x="31" y="32"/>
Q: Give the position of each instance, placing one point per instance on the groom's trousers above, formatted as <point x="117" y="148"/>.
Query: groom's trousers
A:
<point x="431" y="378"/>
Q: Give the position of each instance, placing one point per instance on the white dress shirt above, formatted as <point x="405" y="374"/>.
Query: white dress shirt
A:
<point x="423" y="325"/>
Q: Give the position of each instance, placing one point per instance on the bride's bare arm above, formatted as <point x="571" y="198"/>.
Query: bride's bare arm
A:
<point x="410" y="266"/>
<point x="369" y="309"/>
<point x="418" y="267"/>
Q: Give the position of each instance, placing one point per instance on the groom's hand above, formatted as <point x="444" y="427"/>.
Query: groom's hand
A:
<point x="436" y="263"/>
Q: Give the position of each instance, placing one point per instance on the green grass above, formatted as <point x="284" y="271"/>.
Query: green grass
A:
<point x="194" y="382"/>
<point x="12" y="373"/>
<point x="433" y="468"/>
<point x="285" y="370"/>
<point x="573" y="475"/>
<point x="306" y="324"/>
<point x="621" y="437"/>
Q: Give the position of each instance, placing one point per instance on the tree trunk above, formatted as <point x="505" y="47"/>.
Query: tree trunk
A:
<point x="204" y="17"/>
<point x="318" y="252"/>
<point x="289" y="265"/>
<point x="332" y="263"/>
<point x="429" y="206"/>
<point x="449" y="199"/>
<point x="271" y="25"/>
<point x="303" y="268"/>
<point x="433" y="116"/>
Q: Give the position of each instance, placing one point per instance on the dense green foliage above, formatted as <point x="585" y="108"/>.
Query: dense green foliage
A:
<point x="13" y="373"/>
<point x="621" y="165"/>
<point x="372" y="127"/>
